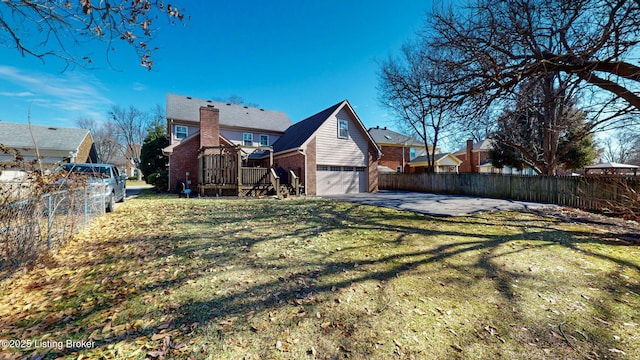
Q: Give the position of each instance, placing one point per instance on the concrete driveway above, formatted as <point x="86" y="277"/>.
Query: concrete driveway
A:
<point x="436" y="204"/>
<point x="134" y="191"/>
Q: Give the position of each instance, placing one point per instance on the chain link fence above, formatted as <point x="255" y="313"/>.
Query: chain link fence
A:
<point x="41" y="221"/>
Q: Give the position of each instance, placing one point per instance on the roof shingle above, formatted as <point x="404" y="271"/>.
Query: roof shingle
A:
<point x="19" y="136"/>
<point x="187" y="108"/>
<point x="298" y="133"/>
<point x="386" y="136"/>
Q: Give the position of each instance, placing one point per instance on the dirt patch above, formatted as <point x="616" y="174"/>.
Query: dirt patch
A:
<point x="621" y="229"/>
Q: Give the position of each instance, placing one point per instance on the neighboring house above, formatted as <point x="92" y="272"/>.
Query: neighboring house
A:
<point x="130" y="162"/>
<point x="611" y="168"/>
<point x="397" y="149"/>
<point x="125" y="165"/>
<point x="473" y="155"/>
<point x="444" y="163"/>
<point x="227" y="149"/>
<point x="334" y="151"/>
<point x="49" y="145"/>
<point x="475" y="159"/>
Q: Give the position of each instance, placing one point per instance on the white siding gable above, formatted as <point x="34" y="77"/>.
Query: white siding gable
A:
<point x="332" y="150"/>
<point x="448" y="161"/>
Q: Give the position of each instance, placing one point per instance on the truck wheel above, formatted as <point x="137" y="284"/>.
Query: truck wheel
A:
<point x="111" y="204"/>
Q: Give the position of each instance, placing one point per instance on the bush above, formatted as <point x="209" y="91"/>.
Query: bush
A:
<point x="158" y="179"/>
<point x="617" y="196"/>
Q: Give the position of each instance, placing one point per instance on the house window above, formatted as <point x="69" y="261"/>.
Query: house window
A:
<point x="412" y="153"/>
<point x="343" y="129"/>
<point x="247" y="139"/>
<point x="264" y="140"/>
<point x="181" y="131"/>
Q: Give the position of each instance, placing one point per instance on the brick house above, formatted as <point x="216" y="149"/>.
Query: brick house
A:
<point x="397" y="149"/>
<point x="220" y="148"/>
<point x="194" y="124"/>
<point x="473" y="155"/>
<point x="475" y="159"/>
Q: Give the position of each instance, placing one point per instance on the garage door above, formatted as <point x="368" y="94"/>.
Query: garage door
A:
<point x="340" y="179"/>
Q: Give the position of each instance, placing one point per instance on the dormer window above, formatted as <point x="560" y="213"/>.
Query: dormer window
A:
<point x="181" y="131"/>
<point x="343" y="129"/>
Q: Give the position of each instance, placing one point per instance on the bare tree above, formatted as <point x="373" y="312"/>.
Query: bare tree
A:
<point x="544" y="128"/>
<point x="492" y="47"/>
<point x="105" y="138"/>
<point x="157" y="118"/>
<point x="622" y="146"/>
<point x="132" y="125"/>
<point x="54" y="28"/>
<point x="406" y="87"/>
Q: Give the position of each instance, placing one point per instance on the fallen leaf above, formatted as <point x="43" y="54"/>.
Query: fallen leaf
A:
<point x="156" y="337"/>
<point x="156" y="354"/>
<point x="106" y="328"/>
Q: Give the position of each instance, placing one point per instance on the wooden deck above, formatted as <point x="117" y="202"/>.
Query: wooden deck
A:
<point x="221" y="173"/>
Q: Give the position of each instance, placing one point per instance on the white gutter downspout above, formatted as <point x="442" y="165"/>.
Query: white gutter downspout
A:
<point x="169" y="174"/>
<point x="306" y="171"/>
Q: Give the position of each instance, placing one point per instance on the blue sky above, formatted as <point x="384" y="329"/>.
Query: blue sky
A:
<point x="293" y="56"/>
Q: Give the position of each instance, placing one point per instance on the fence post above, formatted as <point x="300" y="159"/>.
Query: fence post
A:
<point x="49" y="220"/>
<point x="86" y="209"/>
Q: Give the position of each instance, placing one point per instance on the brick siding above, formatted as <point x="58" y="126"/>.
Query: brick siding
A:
<point x="209" y="126"/>
<point x="185" y="155"/>
<point x="185" y="159"/>
<point x="295" y="162"/>
<point x="311" y="187"/>
<point x="392" y="156"/>
<point x="373" y="169"/>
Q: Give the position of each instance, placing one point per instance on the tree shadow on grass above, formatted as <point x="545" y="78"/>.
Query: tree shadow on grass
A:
<point x="228" y="239"/>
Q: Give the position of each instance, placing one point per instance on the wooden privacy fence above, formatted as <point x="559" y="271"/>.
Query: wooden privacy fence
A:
<point x="221" y="169"/>
<point x="589" y="193"/>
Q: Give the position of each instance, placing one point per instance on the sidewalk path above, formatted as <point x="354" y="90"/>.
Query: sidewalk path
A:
<point x="436" y="204"/>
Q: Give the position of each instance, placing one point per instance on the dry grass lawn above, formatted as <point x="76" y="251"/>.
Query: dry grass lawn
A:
<point x="164" y="277"/>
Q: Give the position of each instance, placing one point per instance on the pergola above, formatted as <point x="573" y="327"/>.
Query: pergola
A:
<point x="611" y="168"/>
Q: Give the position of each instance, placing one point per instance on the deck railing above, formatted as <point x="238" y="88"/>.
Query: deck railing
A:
<point x="222" y="174"/>
<point x="255" y="176"/>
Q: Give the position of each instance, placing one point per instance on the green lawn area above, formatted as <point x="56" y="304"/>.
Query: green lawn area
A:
<point x="164" y="277"/>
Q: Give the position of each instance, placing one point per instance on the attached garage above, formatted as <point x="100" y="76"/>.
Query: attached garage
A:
<point x="340" y="179"/>
<point x="333" y="152"/>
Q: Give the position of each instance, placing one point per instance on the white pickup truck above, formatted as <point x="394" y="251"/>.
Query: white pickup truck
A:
<point x="115" y="184"/>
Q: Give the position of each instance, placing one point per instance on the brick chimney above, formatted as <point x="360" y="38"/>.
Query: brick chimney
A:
<point x="470" y="164"/>
<point x="209" y="126"/>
